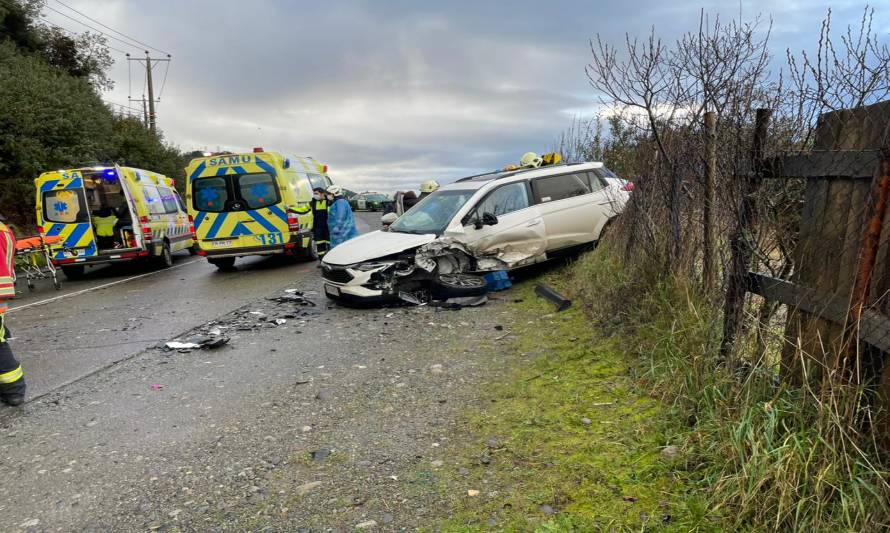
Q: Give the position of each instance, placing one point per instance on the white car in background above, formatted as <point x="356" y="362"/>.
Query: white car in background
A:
<point x="496" y="221"/>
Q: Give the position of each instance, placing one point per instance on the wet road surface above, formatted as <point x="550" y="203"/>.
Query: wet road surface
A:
<point x="119" y="310"/>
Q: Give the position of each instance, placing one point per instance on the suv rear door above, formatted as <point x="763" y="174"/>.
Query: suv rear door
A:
<point x="571" y="213"/>
<point x="518" y="238"/>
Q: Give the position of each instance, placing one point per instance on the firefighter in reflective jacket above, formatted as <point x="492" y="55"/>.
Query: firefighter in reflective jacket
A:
<point x="12" y="380"/>
<point x="320" y="231"/>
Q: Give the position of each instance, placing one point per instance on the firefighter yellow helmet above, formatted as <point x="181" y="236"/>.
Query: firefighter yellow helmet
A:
<point x="553" y="158"/>
<point x="530" y="160"/>
<point x="429" y="186"/>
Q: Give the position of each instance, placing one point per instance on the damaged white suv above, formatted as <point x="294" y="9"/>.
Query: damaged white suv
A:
<point x="489" y="222"/>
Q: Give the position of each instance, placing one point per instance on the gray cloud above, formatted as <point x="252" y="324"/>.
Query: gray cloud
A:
<point x="392" y="93"/>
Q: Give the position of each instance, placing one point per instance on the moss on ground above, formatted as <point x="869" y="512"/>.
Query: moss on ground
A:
<point x="567" y="441"/>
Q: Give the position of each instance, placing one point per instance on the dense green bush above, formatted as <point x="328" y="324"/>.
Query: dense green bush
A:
<point x="52" y="115"/>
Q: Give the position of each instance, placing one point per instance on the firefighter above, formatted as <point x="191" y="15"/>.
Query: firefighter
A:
<point x="12" y="380"/>
<point x="427" y="188"/>
<point x="320" y="231"/>
<point x="341" y="222"/>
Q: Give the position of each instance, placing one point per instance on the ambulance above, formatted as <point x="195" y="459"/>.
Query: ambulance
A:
<point x="254" y="203"/>
<point x="110" y="214"/>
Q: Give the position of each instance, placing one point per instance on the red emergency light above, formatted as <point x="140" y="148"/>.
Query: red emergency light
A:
<point x="258" y="150"/>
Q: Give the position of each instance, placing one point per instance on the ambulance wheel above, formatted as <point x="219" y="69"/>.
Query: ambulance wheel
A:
<point x="165" y="260"/>
<point x="73" y="272"/>
<point x="223" y="263"/>
<point x="309" y="253"/>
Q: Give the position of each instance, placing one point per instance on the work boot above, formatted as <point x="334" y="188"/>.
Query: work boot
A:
<point x="13" y="399"/>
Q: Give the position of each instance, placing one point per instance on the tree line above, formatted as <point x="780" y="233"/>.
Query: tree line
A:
<point x="52" y="114"/>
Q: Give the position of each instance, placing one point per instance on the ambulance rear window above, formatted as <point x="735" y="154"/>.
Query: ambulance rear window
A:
<point x="65" y="206"/>
<point x="211" y="194"/>
<point x="235" y="192"/>
<point x="257" y="190"/>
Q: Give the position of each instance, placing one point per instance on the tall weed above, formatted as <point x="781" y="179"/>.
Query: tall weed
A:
<point x="767" y="456"/>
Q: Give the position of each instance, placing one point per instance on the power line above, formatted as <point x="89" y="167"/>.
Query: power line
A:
<point x="164" y="83"/>
<point x="110" y="28"/>
<point x="66" y="30"/>
<point x="93" y="28"/>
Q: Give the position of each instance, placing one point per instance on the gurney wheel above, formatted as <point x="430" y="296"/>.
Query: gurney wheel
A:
<point x="56" y="283"/>
<point x="30" y="285"/>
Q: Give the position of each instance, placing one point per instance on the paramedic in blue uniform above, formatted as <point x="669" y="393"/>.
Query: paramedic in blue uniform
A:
<point x="320" y="231"/>
<point x="12" y="379"/>
<point x="341" y="222"/>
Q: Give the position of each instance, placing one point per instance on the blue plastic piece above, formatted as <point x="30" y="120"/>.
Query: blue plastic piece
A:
<point x="498" y="281"/>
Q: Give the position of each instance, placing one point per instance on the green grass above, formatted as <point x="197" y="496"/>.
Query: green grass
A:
<point x="607" y="474"/>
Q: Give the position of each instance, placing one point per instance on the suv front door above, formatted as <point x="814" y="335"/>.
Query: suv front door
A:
<point x="519" y="236"/>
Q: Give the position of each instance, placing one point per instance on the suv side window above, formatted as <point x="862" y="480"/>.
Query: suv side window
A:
<point x="505" y="199"/>
<point x="553" y="188"/>
<point x="595" y="180"/>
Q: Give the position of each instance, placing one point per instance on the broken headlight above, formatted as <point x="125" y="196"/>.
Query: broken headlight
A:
<point x="372" y="266"/>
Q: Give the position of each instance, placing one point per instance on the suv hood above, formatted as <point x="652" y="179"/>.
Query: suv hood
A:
<point x="375" y="245"/>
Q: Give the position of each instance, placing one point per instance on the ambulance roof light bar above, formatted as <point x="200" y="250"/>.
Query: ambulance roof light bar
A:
<point x="258" y="150"/>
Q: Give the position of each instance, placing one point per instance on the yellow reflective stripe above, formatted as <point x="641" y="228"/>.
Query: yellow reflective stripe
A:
<point x="12" y="377"/>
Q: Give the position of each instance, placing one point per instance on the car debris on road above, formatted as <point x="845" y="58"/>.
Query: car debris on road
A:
<point x="290" y="304"/>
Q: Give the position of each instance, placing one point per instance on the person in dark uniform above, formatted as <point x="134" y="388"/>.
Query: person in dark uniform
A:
<point x="320" y="231"/>
<point x="12" y="379"/>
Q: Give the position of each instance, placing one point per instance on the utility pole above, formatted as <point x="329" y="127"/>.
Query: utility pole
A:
<point x="150" y="114"/>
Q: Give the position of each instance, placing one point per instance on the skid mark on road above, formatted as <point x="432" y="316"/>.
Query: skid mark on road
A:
<point x="98" y="287"/>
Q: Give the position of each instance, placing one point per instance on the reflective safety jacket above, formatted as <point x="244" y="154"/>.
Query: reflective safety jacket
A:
<point x="104" y="225"/>
<point x="341" y="223"/>
<point x="7" y="272"/>
<point x="320" y="220"/>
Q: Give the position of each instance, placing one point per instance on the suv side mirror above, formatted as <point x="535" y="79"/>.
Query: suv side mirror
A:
<point x="489" y="219"/>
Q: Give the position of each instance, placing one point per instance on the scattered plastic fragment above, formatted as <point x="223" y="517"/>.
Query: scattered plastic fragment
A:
<point x="174" y="345"/>
<point x="544" y="291"/>
<point x="156" y="386"/>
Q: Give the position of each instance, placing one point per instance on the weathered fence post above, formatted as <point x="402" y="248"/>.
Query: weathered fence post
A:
<point x="741" y="244"/>
<point x="868" y="253"/>
<point x="708" y="273"/>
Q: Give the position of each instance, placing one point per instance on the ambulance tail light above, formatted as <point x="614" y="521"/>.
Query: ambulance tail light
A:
<point x="192" y="225"/>
<point x="146" y="229"/>
<point x="324" y="169"/>
<point x="40" y="230"/>
<point x="293" y="222"/>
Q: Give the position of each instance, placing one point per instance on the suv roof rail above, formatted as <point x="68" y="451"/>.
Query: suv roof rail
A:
<point x="508" y="173"/>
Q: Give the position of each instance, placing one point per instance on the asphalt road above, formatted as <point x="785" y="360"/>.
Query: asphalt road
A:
<point x="313" y="417"/>
<point x="119" y="310"/>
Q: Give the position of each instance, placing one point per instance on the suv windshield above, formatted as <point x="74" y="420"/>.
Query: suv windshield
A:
<point x="433" y="213"/>
<point x="235" y="192"/>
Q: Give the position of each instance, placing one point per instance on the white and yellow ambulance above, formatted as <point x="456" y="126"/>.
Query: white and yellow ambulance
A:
<point x="254" y="203"/>
<point x="110" y="214"/>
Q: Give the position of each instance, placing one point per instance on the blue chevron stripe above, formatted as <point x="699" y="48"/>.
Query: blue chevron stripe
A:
<point x="265" y="223"/>
<point x="277" y="211"/>
<point x="198" y="171"/>
<point x="214" y="229"/>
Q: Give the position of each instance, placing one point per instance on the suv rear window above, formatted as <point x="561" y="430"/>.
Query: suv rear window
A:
<point x="235" y="192"/>
<point x="553" y="188"/>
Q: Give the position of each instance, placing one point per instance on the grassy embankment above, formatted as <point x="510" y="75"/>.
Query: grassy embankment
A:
<point x="575" y="440"/>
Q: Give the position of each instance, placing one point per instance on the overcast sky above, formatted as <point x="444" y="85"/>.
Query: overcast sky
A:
<point x="391" y="93"/>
